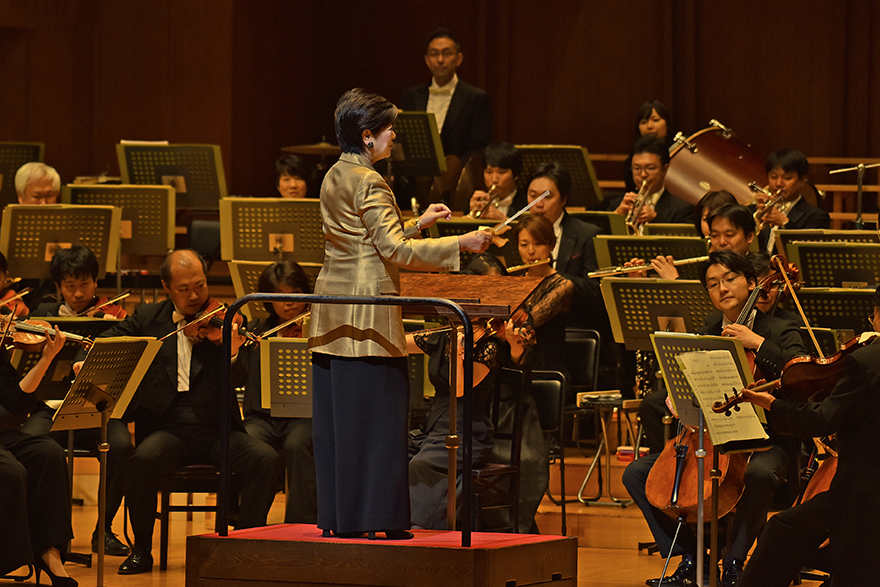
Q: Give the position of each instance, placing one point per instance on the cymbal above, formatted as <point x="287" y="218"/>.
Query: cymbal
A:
<point x="322" y="148"/>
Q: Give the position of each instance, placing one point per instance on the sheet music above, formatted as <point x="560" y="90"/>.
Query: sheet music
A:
<point x="711" y="374"/>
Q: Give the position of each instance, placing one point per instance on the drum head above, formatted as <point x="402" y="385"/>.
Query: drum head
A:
<point x="719" y="163"/>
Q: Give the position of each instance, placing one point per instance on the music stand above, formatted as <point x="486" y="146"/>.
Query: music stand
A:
<point x="464" y="224"/>
<point x="246" y="274"/>
<point x="585" y="190"/>
<point x="417" y="150"/>
<point x="784" y="237"/>
<point x="286" y="377"/>
<point x="13" y="156"/>
<point x="837" y="264"/>
<point x="31" y="235"/>
<point x="147" y="226"/>
<point x="829" y="342"/>
<point x="838" y="308"/>
<point x="608" y="222"/>
<point x="639" y="307"/>
<point x="617" y="250"/>
<point x="110" y="375"/>
<point x="194" y="171"/>
<point x="271" y="229"/>
<point x="667" y="229"/>
<point x="56" y="381"/>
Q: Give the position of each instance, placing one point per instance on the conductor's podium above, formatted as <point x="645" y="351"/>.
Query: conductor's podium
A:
<point x="293" y="555"/>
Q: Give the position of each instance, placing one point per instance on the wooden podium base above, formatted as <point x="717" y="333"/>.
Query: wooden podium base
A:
<point x="293" y="555"/>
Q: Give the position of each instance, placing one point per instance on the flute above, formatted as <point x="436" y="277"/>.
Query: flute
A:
<point x="516" y="268"/>
<point x="624" y="269"/>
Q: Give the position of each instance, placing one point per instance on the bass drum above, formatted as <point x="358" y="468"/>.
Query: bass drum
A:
<point x="710" y="160"/>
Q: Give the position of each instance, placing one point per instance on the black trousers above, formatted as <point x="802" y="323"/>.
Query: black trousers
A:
<point x="121" y="449"/>
<point x="34" y="498"/>
<point x="293" y="436"/>
<point x="766" y="471"/>
<point x="361" y="447"/>
<point x="185" y="441"/>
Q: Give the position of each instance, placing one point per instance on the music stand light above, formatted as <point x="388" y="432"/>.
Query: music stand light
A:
<point x="417" y="150"/>
<point x="194" y="171"/>
<point x="585" y="190"/>
<point x="147" y="214"/>
<point x="837" y="264"/>
<point x="271" y="229"/>
<point x="286" y="377"/>
<point x="32" y="234"/>
<point x="246" y="274"/>
<point x="639" y="307"/>
<point x="13" y="156"/>
<point x="612" y="251"/>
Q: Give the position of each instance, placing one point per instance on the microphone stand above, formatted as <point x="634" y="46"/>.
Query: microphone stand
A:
<point x="860" y="168"/>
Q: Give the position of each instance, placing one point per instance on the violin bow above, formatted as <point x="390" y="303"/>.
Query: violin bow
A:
<point x="780" y="262"/>
<point x="18" y="296"/>
<point x="121" y="296"/>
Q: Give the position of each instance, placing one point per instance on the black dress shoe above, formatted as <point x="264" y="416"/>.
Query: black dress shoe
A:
<point x="686" y="571"/>
<point x="112" y="545"/>
<point x="391" y="535"/>
<point x="732" y="572"/>
<point x="139" y="561"/>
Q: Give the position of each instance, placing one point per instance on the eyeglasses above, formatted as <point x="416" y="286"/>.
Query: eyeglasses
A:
<point x="714" y="285"/>
<point x="444" y="53"/>
<point x="649" y="169"/>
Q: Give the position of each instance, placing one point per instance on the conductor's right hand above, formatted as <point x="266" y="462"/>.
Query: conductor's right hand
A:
<point x="476" y="241"/>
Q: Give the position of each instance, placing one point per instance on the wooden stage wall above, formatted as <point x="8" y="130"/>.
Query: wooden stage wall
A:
<point x="256" y="75"/>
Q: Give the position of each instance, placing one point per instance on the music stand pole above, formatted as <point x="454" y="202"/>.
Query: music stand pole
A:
<point x="860" y="168"/>
<point x="103" y="448"/>
<point x="701" y="468"/>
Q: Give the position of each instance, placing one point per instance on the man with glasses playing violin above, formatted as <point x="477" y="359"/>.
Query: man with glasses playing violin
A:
<point x="650" y="162"/>
<point x="176" y="408"/>
<point x="729" y="280"/>
<point x="847" y="513"/>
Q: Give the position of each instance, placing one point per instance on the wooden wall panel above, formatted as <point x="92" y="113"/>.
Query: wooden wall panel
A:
<point x="254" y="76"/>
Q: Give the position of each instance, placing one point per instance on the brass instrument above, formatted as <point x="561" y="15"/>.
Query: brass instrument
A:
<point x="773" y="201"/>
<point x="493" y="196"/>
<point x="517" y="268"/>
<point x="608" y="271"/>
<point x="634" y="212"/>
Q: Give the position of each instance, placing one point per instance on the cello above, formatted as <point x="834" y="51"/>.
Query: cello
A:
<point x="676" y="467"/>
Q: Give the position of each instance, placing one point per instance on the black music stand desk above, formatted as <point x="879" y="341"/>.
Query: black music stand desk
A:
<point x="271" y="229"/>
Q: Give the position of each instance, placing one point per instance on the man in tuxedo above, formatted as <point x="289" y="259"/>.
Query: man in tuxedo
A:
<point x="176" y="408"/>
<point x="461" y="110"/>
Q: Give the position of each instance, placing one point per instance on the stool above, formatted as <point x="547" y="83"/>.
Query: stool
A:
<point x="605" y="405"/>
<point x="189" y="479"/>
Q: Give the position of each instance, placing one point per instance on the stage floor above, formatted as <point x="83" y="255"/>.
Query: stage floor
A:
<point x="296" y="554"/>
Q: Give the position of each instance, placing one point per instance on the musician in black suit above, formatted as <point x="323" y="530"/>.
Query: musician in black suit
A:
<point x="729" y="279"/>
<point x="502" y="171"/>
<point x="787" y="173"/>
<point x="650" y="162"/>
<point x="462" y="111"/>
<point x="848" y="511"/>
<point x="176" y="408"/>
<point x="574" y="255"/>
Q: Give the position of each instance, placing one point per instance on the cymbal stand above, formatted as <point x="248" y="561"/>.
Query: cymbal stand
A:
<point x="860" y="168"/>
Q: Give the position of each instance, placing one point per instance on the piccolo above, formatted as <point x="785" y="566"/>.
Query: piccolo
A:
<point x="524" y="266"/>
<point x="607" y="271"/>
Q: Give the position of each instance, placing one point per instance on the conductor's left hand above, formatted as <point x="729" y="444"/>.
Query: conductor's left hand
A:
<point x="434" y="213"/>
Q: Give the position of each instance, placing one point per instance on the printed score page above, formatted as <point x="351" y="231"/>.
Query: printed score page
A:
<point x="711" y="374"/>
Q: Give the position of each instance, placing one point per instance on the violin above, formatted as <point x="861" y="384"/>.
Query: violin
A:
<point x="107" y="307"/>
<point x="31" y="335"/>
<point x="10" y="302"/>
<point x="208" y="324"/>
<point x="804" y="379"/>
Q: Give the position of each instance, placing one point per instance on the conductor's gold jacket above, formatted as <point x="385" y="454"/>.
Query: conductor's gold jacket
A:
<point x="365" y="241"/>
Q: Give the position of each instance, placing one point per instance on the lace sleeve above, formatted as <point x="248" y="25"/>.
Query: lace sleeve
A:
<point x="487" y="353"/>
<point x="428" y="341"/>
<point x="552" y="297"/>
